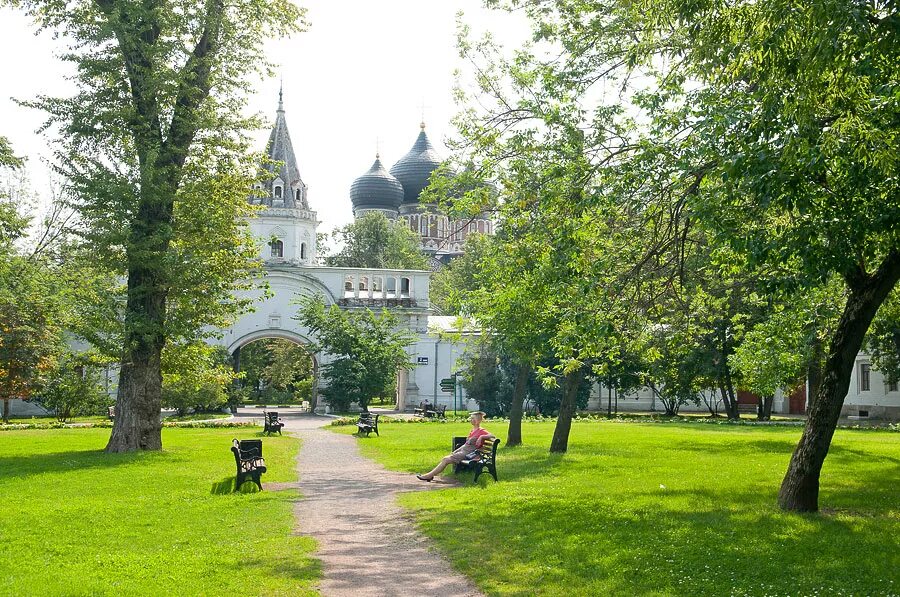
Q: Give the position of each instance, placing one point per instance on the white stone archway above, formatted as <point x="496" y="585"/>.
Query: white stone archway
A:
<point x="403" y="291"/>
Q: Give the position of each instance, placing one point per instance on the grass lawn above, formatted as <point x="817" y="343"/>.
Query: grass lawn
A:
<point x="77" y="521"/>
<point x="659" y="509"/>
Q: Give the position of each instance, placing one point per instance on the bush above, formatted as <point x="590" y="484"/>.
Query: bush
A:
<point x="73" y="388"/>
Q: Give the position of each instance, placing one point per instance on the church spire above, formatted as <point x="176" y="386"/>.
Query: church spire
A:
<point x="280" y="96"/>
<point x="287" y="188"/>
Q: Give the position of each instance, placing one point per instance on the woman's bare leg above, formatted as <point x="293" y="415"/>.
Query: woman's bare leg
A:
<point x="437" y="470"/>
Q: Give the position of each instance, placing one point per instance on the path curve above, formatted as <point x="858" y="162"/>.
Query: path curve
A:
<point x="368" y="545"/>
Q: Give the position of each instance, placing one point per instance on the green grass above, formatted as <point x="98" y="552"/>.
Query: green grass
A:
<point x="651" y="509"/>
<point x="77" y="521"/>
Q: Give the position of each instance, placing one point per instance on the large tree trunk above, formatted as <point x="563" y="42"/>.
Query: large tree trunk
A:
<point x="6" y="410"/>
<point x="560" y="441"/>
<point x="137" y="425"/>
<point x="514" y="434"/>
<point x="764" y="410"/>
<point x="800" y="487"/>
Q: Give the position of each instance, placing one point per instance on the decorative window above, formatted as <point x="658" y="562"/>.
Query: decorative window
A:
<point x="391" y="286"/>
<point x="890" y="385"/>
<point x="865" y="377"/>
<point x="302" y="250"/>
<point x="364" y="283"/>
<point x="277" y="248"/>
<point x="278" y="192"/>
<point x="348" y="283"/>
<point x="404" y="286"/>
<point x="298" y="196"/>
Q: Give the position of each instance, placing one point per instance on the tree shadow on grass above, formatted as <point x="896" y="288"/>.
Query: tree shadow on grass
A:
<point x="22" y="466"/>
<point x="699" y="541"/>
<point x="283" y="566"/>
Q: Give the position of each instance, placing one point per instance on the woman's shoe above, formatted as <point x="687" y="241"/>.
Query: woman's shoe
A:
<point x="423" y="478"/>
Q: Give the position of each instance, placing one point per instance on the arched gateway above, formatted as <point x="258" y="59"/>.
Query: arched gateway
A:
<point x="285" y="229"/>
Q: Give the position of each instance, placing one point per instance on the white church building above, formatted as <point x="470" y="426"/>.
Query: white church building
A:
<point x="285" y="228"/>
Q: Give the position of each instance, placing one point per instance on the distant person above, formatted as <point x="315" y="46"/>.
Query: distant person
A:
<point x="474" y="441"/>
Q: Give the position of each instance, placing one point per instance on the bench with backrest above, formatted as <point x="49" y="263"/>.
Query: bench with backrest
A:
<point x="422" y="408"/>
<point x="484" y="458"/>
<point x="272" y="422"/>
<point x="111" y="412"/>
<point x="747" y="408"/>
<point x="437" y="411"/>
<point x="367" y="424"/>
<point x="249" y="460"/>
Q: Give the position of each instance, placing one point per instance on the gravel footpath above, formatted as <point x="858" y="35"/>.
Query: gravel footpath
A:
<point x="367" y="544"/>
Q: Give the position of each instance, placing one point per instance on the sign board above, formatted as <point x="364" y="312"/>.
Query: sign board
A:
<point x="422" y="361"/>
<point x="447" y="384"/>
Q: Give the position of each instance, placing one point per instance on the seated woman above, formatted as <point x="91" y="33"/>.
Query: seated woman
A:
<point x="473" y="442"/>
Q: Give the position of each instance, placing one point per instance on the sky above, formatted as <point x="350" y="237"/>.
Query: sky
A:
<point x="357" y="80"/>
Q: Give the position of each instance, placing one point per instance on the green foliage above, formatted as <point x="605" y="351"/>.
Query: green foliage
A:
<point x="30" y="326"/>
<point x="884" y="339"/>
<point x="72" y="388"/>
<point x="366" y="350"/>
<point x="276" y="371"/>
<point x="693" y="499"/>
<point x="169" y="504"/>
<point x="155" y="152"/>
<point x="196" y="376"/>
<point x="373" y="241"/>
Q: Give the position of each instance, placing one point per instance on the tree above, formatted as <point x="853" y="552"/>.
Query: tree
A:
<point x="373" y="241"/>
<point x="367" y="351"/>
<point x="72" y="387"/>
<point x="279" y="369"/>
<point x="156" y="160"/>
<point x="29" y="328"/>
<point x="196" y="376"/>
<point x="768" y="124"/>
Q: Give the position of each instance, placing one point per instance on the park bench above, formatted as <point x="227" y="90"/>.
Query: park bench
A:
<point x="249" y="460"/>
<point x="483" y="458"/>
<point x="367" y="424"/>
<point x="747" y="408"/>
<point x="436" y="411"/>
<point x="111" y="412"/>
<point x="272" y="423"/>
<point x="422" y="408"/>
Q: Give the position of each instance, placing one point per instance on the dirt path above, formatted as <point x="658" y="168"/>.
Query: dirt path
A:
<point x="367" y="545"/>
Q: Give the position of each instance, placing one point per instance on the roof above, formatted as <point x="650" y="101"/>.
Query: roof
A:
<point x="414" y="169"/>
<point x="376" y="189"/>
<point x="280" y="149"/>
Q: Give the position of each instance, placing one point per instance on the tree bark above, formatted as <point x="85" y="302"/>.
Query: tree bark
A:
<point x="6" y="410"/>
<point x="764" y="410"/>
<point x="514" y="434"/>
<point x="137" y="425"/>
<point x="800" y="487"/>
<point x="560" y="441"/>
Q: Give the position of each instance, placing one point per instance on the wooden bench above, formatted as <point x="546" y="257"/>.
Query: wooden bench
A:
<point x="111" y="412"/>
<point x="367" y="424"/>
<point x="747" y="408"/>
<point x="421" y="409"/>
<point x="483" y="458"/>
<point x="272" y="422"/>
<point x="437" y="411"/>
<point x="249" y="460"/>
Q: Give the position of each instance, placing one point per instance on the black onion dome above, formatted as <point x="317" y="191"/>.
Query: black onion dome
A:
<point x="376" y="189"/>
<point x="414" y="169"/>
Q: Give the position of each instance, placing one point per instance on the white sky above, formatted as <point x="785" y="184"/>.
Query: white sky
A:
<point x="360" y="73"/>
